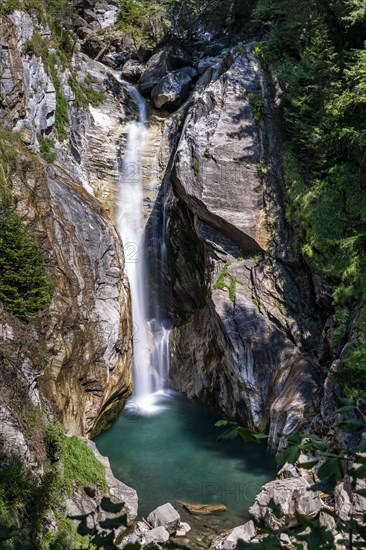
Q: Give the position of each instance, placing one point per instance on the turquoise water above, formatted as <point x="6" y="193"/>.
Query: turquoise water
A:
<point x="173" y="454"/>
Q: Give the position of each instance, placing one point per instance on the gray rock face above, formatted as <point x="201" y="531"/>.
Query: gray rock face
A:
<point x="26" y="89"/>
<point x="229" y="541"/>
<point x="117" y="489"/>
<point x="289" y="496"/>
<point x="215" y="171"/>
<point x="160" y="64"/>
<point x="99" y="514"/>
<point x="245" y="318"/>
<point x="158" y="534"/>
<point x="86" y="333"/>
<point x="165" y="516"/>
<point x="172" y="90"/>
<point x="133" y="70"/>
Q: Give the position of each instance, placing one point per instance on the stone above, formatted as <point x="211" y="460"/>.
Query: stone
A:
<point x="158" y="534"/>
<point x="204" y="509"/>
<point x="206" y="63"/>
<point x="165" y="516"/>
<point x="172" y="90"/>
<point x="342" y="501"/>
<point x="289" y="496"/>
<point x="182" y="530"/>
<point x="160" y="64"/>
<point x="133" y="70"/>
<point x="118" y="490"/>
<point x="287" y="471"/>
<point x="230" y="540"/>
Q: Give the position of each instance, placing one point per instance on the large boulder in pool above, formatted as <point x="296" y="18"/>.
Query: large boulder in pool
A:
<point x="165" y="516"/>
<point x="173" y="89"/>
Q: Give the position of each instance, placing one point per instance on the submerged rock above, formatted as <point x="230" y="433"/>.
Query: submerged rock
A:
<point x="204" y="509"/>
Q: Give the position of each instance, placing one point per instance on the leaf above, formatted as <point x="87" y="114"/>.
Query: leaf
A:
<point x="352" y="426"/>
<point x="330" y="468"/>
<point x="307" y="465"/>
<point x="245" y="434"/>
<point x="290" y="455"/>
<point x="260" y="436"/>
<point x="345" y="409"/>
<point x="325" y="486"/>
<point x="231" y="433"/>
<point x="361" y="492"/>
<point x="221" y="423"/>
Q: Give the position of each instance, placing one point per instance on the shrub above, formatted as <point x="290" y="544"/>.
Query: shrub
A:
<point x="47" y="149"/>
<point x="196" y="167"/>
<point x="258" y="104"/>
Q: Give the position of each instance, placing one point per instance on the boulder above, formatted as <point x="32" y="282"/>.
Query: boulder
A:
<point x="229" y="540"/>
<point x="160" y="64"/>
<point x="165" y="516"/>
<point x="158" y="534"/>
<point x="280" y="500"/>
<point x="182" y="530"/>
<point x="133" y="70"/>
<point x="173" y="89"/>
<point x="204" y="509"/>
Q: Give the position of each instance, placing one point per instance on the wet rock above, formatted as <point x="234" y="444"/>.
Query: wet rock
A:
<point x="172" y="90"/>
<point x="165" y="516"/>
<point x="280" y="500"/>
<point x="230" y="540"/>
<point x="204" y="509"/>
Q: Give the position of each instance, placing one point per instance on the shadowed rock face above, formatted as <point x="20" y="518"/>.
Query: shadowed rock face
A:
<point x="249" y="319"/>
<point x="86" y="332"/>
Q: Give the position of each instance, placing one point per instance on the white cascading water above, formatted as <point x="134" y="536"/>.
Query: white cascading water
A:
<point x="151" y="339"/>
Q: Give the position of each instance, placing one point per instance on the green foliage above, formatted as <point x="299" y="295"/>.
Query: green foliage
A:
<point x="222" y="283"/>
<point x="207" y="154"/>
<point x="331" y="460"/>
<point x="85" y="94"/>
<point x="196" y="167"/>
<point x="8" y="6"/>
<point x="66" y="536"/>
<point x="151" y="23"/>
<point x="25" y="288"/>
<point x="260" y="169"/>
<point x="47" y="147"/>
<point x="339" y="330"/>
<point x="320" y="57"/>
<point x="258" y="104"/>
<point x="80" y="465"/>
<point x="62" y="106"/>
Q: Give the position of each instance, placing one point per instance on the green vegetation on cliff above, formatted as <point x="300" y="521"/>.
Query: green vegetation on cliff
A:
<point x="150" y="23"/>
<point x="25" y="288"/>
<point x="319" y="54"/>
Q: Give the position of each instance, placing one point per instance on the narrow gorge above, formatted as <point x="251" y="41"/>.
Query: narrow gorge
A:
<point x="157" y="278"/>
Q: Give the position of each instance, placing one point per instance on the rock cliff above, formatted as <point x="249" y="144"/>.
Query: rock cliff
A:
<point x="248" y="334"/>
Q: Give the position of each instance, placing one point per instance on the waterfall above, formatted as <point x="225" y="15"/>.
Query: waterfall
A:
<point x="151" y="337"/>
